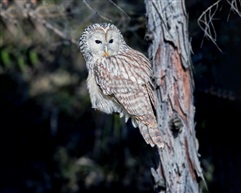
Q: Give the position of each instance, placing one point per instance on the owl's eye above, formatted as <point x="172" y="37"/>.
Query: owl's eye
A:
<point x="111" y="41"/>
<point x="98" y="41"/>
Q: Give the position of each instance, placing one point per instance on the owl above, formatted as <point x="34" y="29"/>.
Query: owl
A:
<point x="119" y="79"/>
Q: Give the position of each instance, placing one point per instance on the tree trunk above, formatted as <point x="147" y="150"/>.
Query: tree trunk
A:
<point x="178" y="168"/>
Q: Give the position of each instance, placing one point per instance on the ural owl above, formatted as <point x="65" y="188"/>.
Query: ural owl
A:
<point x="119" y="79"/>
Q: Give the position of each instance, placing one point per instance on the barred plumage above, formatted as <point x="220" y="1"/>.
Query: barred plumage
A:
<point x="119" y="79"/>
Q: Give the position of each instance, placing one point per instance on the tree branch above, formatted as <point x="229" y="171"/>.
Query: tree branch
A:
<point x="90" y="8"/>
<point x="205" y="22"/>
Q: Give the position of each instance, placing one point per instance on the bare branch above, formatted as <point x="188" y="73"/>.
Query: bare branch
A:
<point x="35" y="16"/>
<point x="235" y="6"/>
<point x="120" y="9"/>
<point x="56" y="31"/>
<point x="205" y="22"/>
<point x="105" y="18"/>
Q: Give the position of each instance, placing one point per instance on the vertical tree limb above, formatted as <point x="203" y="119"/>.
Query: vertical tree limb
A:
<point x="178" y="169"/>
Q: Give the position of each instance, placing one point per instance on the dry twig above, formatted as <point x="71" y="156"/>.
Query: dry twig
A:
<point x="90" y="8"/>
<point x="205" y="22"/>
<point x="235" y="6"/>
<point x="120" y="9"/>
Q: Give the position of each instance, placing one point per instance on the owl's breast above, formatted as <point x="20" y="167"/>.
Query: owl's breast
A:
<point x="98" y="99"/>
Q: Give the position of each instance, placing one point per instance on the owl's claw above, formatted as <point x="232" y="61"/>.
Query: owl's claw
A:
<point x="121" y="115"/>
<point x="126" y="118"/>
<point x="134" y="123"/>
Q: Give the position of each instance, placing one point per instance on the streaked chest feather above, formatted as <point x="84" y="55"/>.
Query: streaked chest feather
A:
<point x="98" y="99"/>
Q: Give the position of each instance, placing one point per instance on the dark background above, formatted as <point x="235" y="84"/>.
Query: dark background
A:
<point x="50" y="138"/>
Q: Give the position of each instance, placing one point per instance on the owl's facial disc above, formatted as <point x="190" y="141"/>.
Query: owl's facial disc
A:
<point x="104" y="43"/>
<point x="112" y="41"/>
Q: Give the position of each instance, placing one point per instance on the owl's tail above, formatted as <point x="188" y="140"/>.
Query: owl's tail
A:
<point x="151" y="134"/>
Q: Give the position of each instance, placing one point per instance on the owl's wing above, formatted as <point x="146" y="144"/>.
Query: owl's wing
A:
<point x="126" y="77"/>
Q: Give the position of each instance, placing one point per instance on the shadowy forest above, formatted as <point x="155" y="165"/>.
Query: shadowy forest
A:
<point x="51" y="140"/>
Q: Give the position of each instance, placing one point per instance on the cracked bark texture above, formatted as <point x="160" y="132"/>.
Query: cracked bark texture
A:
<point x="178" y="168"/>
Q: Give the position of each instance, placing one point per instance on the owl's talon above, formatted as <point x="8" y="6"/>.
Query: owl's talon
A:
<point x="134" y="123"/>
<point x="126" y="118"/>
<point x="121" y="115"/>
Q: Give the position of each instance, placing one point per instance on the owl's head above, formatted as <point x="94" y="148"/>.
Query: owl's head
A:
<point x="101" y="40"/>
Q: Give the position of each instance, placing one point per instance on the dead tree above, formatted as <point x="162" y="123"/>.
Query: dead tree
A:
<point x="178" y="168"/>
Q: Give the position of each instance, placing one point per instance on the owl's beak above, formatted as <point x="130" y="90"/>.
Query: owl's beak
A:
<point x="106" y="52"/>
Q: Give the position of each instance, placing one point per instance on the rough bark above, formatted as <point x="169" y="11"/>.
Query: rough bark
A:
<point x="178" y="168"/>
